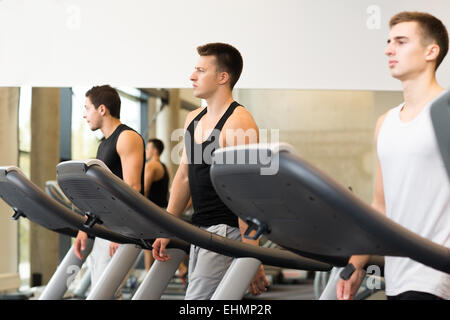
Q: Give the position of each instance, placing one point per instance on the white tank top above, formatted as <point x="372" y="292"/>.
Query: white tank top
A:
<point x="417" y="196"/>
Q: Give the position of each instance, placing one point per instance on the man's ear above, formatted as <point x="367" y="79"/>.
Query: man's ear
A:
<point x="432" y="52"/>
<point x="224" y="77"/>
<point x="102" y="109"/>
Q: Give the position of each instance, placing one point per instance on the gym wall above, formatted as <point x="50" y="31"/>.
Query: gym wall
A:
<point x="333" y="130"/>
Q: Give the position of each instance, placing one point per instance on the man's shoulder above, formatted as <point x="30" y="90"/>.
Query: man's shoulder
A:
<point x="241" y="118"/>
<point x="241" y="111"/>
<point x="130" y="134"/>
<point x="153" y="165"/>
<point x="129" y="140"/>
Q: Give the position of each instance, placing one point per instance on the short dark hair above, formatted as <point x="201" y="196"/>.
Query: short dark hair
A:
<point x="159" y="145"/>
<point x="228" y="59"/>
<point x="432" y="29"/>
<point x="107" y="96"/>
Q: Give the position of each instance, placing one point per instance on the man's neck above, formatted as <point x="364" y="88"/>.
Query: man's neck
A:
<point x="418" y="92"/>
<point x="109" y="125"/>
<point x="219" y="102"/>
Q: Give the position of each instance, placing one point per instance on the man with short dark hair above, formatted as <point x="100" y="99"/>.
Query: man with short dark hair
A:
<point x="122" y="150"/>
<point x="206" y="129"/>
<point x="411" y="184"/>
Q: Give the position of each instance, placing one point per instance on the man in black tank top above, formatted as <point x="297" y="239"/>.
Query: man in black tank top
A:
<point x="217" y="125"/>
<point x="156" y="179"/>
<point x="156" y="182"/>
<point x="122" y="150"/>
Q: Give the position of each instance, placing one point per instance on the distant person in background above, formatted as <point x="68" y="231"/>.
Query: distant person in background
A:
<point x="156" y="182"/>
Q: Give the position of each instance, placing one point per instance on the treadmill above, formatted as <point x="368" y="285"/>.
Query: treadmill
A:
<point x="109" y="201"/>
<point x="29" y="201"/>
<point x="307" y="211"/>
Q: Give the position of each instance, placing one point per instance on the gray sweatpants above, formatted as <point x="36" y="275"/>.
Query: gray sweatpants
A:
<point x="207" y="268"/>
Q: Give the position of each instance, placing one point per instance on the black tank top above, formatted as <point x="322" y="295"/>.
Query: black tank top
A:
<point x="209" y="209"/>
<point x="159" y="190"/>
<point x="107" y="152"/>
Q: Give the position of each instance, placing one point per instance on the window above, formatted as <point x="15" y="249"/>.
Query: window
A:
<point x="130" y="107"/>
<point x="84" y="141"/>
<point x="24" y="165"/>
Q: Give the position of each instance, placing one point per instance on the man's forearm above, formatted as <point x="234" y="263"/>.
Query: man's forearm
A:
<point x="179" y="196"/>
<point x="359" y="261"/>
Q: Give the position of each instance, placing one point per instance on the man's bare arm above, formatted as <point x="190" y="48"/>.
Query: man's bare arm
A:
<point x="148" y="178"/>
<point x="131" y="149"/>
<point x="180" y="192"/>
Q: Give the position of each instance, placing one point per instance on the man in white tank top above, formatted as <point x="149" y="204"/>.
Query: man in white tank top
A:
<point x="412" y="187"/>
